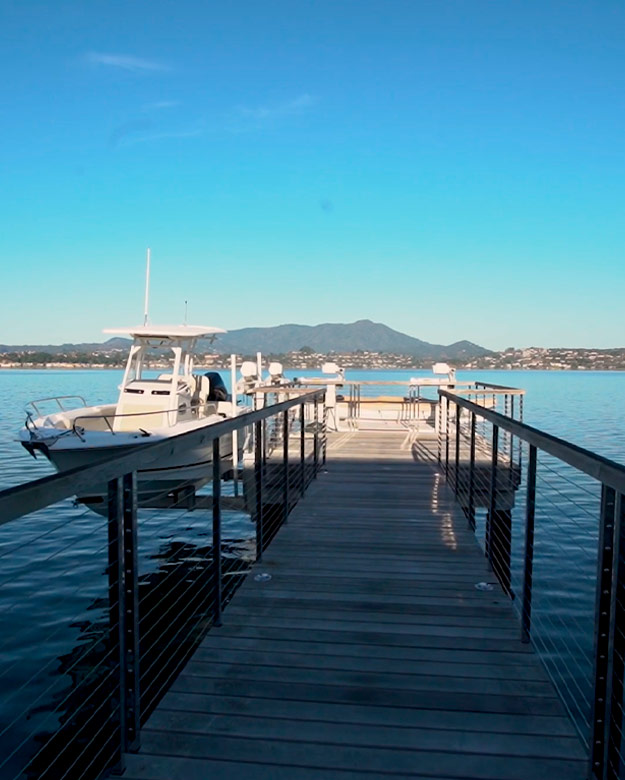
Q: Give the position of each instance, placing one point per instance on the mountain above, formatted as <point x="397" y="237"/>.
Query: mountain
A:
<point x="330" y="337"/>
<point x="338" y="337"/>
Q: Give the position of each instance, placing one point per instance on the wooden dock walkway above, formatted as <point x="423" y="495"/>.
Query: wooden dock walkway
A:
<point x="369" y="652"/>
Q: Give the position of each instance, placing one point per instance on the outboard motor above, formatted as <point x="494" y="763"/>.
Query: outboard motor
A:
<point x="217" y="391"/>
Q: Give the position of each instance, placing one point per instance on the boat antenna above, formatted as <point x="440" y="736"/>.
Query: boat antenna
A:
<point x="147" y="289"/>
<point x="185" y="312"/>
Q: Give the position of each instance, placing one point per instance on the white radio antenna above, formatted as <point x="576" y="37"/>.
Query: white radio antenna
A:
<point x="147" y="289"/>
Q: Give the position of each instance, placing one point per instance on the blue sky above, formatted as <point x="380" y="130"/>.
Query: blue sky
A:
<point x="452" y="169"/>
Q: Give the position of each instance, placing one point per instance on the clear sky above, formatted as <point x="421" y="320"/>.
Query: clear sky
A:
<point x="452" y="168"/>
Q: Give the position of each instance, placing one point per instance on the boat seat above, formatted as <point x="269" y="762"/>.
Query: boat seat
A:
<point x="61" y="422"/>
<point x="188" y="383"/>
<point x="203" y="386"/>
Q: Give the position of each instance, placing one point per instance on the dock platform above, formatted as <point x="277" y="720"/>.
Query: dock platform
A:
<point x="368" y="652"/>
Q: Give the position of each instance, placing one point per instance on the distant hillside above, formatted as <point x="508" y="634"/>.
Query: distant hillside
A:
<point x="338" y="337"/>
<point x="111" y="345"/>
<point x="331" y="337"/>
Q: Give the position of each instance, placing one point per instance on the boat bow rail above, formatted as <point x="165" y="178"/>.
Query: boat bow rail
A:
<point x="55" y="399"/>
<point x="558" y="550"/>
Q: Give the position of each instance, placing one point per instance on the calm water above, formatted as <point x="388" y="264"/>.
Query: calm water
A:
<point x="53" y="592"/>
<point x="586" y="408"/>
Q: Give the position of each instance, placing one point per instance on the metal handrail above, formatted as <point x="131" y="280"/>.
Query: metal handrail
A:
<point x="420" y="382"/>
<point x="114" y="416"/>
<point x="492" y="390"/>
<point x="24" y="499"/>
<point x="104" y="417"/>
<point x="490" y="386"/>
<point x="609" y="472"/>
<point x="57" y="398"/>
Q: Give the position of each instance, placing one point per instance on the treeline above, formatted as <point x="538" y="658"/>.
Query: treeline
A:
<point x="75" y="358"/>
<point x="358" y="359"/>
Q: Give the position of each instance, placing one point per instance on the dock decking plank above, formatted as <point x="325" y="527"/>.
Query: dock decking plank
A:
<point x="480" y="765"/>
<point x="368" y="652"/>
<point x="365" y="663"/>
<point x="450" y="720"/>
<point x="373" y="735"/>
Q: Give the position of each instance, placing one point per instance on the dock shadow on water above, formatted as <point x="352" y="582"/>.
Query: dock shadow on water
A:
<point x="60" y="665"/>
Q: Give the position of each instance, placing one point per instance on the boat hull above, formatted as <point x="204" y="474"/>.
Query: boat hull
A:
<point x="169" y="482"/>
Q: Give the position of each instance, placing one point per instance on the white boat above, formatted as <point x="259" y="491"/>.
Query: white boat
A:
<point x="148" y="409"/>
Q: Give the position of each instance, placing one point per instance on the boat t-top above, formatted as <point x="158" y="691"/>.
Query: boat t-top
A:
<point x="150" y="407"/>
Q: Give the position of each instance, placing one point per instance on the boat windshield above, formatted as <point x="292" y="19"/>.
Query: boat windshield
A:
<point x="174" y="357"/>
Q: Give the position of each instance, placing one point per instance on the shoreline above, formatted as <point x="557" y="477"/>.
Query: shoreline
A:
<point x="86" y="367"/>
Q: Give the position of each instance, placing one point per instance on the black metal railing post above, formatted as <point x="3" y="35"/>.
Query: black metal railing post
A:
<point x="615" y="725"/>
<point x="492" y="507"/>
<point x="447" y="440"/>
<point x="520" y="448"/>
<point x="457" y="454"/>
<point x="439" y="413"/>
<point x="471" y="507"/>
<point x="285" y="463"/>
<point x="507" y="441"/>
<point x="316" y="439"/>
<point x="264" y="443"/>
<point x="131" y="608"/>
<point x="217" y="579"/>
<point x="302" y="448"/>
<point x="528" y="566"/>
<point x="603" y="638"/>
<point x="258" y="479"/>
<point x="324" y="447"/>
<point x="117" y="634"/>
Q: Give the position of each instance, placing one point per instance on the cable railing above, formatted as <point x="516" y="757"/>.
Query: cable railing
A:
<point x="550" y="517"/>
<point x="99" y="612"/>
<point x="411" y="405"/>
